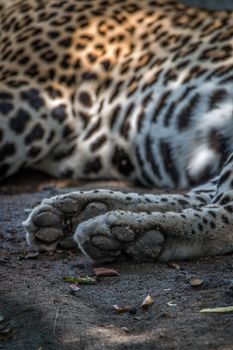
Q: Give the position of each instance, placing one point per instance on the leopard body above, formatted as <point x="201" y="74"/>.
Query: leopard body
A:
<point x="122" y="89"/>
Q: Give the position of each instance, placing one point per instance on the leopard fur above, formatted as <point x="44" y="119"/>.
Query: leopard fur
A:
<point x="124" y="90"/>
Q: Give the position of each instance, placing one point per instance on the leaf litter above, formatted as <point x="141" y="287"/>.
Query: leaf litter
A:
<point x="196" y="282"/>
<point x="148" y="301"/>
<point x="105" y="272"/>
<point x="219" y="310"/>
<point x="80" y="280"/>
<point x="121" y="309"/>
<point x="132" y="310"/>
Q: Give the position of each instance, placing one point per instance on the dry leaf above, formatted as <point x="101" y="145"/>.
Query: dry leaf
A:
<point x="120" y="309"/>
<point x="219" y="310"/>
<point x="80" y="280"/>
<point x="196" y="282"/>
<point x="173" y="265"/>
<point x="74" y="287"/>
<point x="105" y="272"/>
<point x="147" y="302"/>
<point x="30" y="255"/>
<point x="171" y="303"/>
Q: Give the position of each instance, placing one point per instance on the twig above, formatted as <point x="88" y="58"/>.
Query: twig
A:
<point x="54" y="326"/>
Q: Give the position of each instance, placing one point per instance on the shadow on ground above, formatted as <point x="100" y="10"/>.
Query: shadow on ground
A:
<point x="45" y="314"/>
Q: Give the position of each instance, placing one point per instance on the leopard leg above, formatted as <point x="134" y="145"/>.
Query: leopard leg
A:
<point x="54" y="221"/>
<point x="157" y="236"/>
<point x="194" y="232"/>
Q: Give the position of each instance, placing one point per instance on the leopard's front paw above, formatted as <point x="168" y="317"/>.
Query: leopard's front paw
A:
<point x="46" y="229"/>
<point x="105" y="238"/>
<point x="53" y="222"/>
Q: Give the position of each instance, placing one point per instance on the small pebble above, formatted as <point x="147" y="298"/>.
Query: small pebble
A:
<point x="125" y="329"/>
<point x="133" y="311"/>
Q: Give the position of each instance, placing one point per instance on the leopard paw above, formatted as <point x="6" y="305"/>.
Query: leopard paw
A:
<point x="51" y="225"/>
<point x="107" y="237"/>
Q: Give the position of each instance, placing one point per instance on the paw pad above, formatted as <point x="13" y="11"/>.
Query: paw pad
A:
<point x="124" y="234"/>
<point x="67" y="206"/>
<point x="147" y="247"/>
<point x="45" y="219"/>
<point x="48" y="235"/>
<point x="104" y="242"/>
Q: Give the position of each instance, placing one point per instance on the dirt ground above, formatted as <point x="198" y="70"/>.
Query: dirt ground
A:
<point x="46" y="313"/>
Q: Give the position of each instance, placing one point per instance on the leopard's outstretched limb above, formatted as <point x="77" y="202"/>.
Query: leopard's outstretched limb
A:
<point x="194" y="232"/>
<point x="53" y="223"/>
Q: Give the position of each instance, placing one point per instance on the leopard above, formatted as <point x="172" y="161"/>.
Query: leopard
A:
<point x="125" y="90"/>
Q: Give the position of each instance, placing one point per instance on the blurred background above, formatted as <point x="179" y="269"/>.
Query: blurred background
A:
<point x="210" y="4"/>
